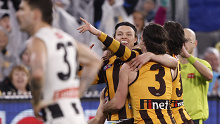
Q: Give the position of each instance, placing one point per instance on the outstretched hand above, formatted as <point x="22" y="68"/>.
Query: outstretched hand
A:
<point x="88" y="27"/>
<point x="137" y="62"/>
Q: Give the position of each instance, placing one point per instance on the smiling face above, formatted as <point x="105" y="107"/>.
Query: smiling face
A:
<point x="126" y="35"/>
<point x="20" y="80"/>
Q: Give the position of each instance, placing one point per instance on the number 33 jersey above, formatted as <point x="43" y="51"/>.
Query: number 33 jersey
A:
<point x="61" y="81"/>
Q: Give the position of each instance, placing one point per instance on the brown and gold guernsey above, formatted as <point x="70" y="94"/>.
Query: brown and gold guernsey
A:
<point x="121" y="51"/>
<point x="109" y="73"/>
<point x="178" y="109"/>
<point x="150" y="94"/>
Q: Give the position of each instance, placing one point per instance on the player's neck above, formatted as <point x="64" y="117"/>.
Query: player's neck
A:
<point x="38" y="26"/>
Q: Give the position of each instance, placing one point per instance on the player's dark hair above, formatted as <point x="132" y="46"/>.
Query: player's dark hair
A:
<point x="46" y="8"/>
<point x="154" y="38"/>
<point x="126" y="24"/>
<point x="176" y="35"/>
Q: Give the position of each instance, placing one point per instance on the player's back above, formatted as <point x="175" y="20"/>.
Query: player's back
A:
<point x="61" y="86"/>
<point x="150" y="94"/>
<point x="178" y="109"/>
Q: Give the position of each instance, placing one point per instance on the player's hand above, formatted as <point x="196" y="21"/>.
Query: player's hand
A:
<point x="184" y="53"/>
<point x="88" y="27"/>
<point x="137" y="62"/>
<point x="37" y="109"/>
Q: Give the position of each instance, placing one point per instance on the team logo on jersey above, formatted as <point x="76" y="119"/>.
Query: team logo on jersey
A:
<point x="107" y="66"/>
<point x="58" y="35"/>
<point x="191" y="75"/>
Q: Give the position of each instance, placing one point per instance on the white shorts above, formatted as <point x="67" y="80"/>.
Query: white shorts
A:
<point x="65" y="111"/>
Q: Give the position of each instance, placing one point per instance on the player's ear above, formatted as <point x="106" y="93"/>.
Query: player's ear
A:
<point x="195" y="44"/>
<point x="37" y="14"/>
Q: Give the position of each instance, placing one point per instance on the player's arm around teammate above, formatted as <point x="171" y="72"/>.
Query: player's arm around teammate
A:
<point x="165" y="59"/>
<point x="118" y="101"/>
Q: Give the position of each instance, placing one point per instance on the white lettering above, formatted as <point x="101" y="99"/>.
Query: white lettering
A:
<point x="180" y="104"/>
<point x="155" y="104"/>
<point x="167" y="104"/>
<point x="161" y="105"/>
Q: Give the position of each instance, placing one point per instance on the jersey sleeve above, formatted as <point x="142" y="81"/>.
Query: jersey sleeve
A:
<point x="99" y="79"/>
<point x="118" y="49"/>
<point x="204" y="62"/>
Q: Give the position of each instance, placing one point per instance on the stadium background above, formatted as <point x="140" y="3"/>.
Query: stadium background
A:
<point x="200" y="15"/>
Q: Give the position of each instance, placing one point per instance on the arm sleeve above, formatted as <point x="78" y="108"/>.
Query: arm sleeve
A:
<point x="118" y="49"/>
<point x="100" y="77"/>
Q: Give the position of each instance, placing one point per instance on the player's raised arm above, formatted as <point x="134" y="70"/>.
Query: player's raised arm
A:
<point x="88" y="27"/>
<point x="118" y="48"/>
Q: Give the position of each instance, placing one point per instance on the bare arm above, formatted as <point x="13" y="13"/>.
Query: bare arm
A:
<point x="165" y="60"/>
<point x="38" y="61"/>
<point x="118" y="101"/>
<point x="111" y="44"/>
<point x="89" y="27"/>
<point x="100" y="116"/>
<point x="201" y="68"/>
<point x="91" y="64"/>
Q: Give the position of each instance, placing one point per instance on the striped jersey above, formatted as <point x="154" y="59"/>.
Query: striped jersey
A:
<point x="109" y="73"/>
<point x="150" y="93"/>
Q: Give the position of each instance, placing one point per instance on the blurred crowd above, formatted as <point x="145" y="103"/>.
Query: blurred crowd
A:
<point x="104" y="15"/>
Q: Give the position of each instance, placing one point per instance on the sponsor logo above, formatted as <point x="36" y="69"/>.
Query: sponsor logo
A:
<point x="154" y="104"/>
<point x="58" y="35"/>
<point x="191" y="75"/>
<point x="67" y="93"/>
<point x="107" y="66"/>
<point x="176" y="103"/>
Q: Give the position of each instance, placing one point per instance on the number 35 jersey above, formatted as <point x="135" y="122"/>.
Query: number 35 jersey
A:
<point x="61" y="81"/>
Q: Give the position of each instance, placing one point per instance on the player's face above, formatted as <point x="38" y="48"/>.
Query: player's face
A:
<point x="126" y="35"/>
<point x="19" y="79"/>
<point x="25" y="16"/>
<point x="3" y="40"/>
